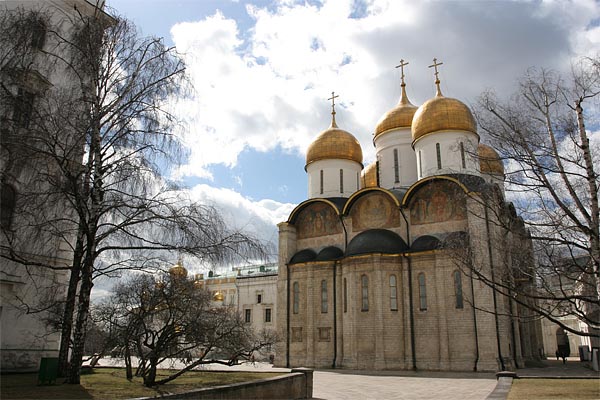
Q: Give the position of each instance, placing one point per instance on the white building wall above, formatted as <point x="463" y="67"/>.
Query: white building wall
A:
<point x="385" y="144"/>
<point x="331" y="178"/>
<point x="450" y="153"/>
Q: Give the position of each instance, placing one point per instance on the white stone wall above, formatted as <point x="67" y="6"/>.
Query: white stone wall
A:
<point x="451" y="159"/>
<point x="385" y="144"/>
<point x="331" y="178"/>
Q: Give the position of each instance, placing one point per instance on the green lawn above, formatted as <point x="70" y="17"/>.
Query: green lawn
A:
<point x="543" y="389"/>
<point x="110" y="383"/>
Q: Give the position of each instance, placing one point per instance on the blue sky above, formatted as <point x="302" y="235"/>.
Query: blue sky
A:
<point x="263" y="71"/>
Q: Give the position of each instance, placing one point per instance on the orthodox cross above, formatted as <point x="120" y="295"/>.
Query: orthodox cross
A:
<point x="437" y="78"/>
<point x="332" y="98"/>
<point x="401" y="66"/>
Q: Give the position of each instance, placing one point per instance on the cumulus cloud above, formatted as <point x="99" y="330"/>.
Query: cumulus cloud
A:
<point x="267" y="86"/>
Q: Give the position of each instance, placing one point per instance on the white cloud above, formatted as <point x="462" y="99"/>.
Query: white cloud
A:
<point x="267" y="87"/>
<point x="256" y="217"/>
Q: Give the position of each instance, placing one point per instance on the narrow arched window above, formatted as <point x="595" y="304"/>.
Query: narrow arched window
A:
<point x="365" y="293"/>
<point x="462" y="155"/>
<point x="345" y="296"/>
<point x="439" y="155"/>
<point x="396" y="167"/>
<point x="393" y="293"/>
<point x="296" y="297"/>
<point x="321" y="181"/>
<point x="420" y="165"/>
<point x="341" y="180"/>
<point x="323" y="296"/>
<point x="8" y="202"/>
<point x="458" y="289"/>
<point x="422" y="293"/>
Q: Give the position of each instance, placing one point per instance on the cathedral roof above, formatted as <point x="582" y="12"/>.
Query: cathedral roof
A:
<point x="334" y="143"/>
<point x="442" y="114"/>
<point x="369" y="176"/>
<point x="489" y="160"/>
<point x="376" y="241"/>
<point x="400" y="116"/>
<point x="302" y="256"/>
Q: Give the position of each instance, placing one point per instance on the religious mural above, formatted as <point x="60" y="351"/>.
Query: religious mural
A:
<point x="374" y="210"/>
<point x="437" y="202"/>
<point x="317" y="219"/>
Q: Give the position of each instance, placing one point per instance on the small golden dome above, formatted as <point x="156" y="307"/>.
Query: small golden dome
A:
<point x="334" y="143"/>
<point x="368" y="177"/>
<point x="178" y="271"/>
<point x="400" y="116"/>
<point x="442" y="114"/>
<point x="218" y="296"/>
<point x="489" y="160"/>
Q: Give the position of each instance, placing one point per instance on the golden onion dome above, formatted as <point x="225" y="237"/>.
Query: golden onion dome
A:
<point x="334" y="143"/>
<point x="400" y="116"/>
<point x="368" y="177"/>
<point x="218" y="296"/>
<point x="178" y="270"/>
<point x="442" y="114"/>
<point x="489" y="160"/>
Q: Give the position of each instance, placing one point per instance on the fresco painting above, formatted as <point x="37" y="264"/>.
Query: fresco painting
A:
<point x="317" y="219"/>
<point x="374" y="210"/>
<point x="437" y="202"/>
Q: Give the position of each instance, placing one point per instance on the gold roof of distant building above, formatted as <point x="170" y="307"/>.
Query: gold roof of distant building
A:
<point x="489" y="160"/>
<point x="178" y="270"/>
<point x="368" y="176"/>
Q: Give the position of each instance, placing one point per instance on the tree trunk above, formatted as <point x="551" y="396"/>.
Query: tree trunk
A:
<point x="128" y="370"/>
<point x="67" y="320"/>
<point x="150" y="376"/>
<point x="80" y="323"/>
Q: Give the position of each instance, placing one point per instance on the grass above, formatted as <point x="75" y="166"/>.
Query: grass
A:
<point x="580" y="389"/>
<point x="110" y="383"/>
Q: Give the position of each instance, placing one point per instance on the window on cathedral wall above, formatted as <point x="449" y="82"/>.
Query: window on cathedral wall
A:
<point x="324" y="296"/>
<point x="321" y="181"/>
<point x="396" y="167"/>
<point x="345" y="296"/>
<point x="365" y="293"/>
<point x="439" y="155"/>
<point x="267" y="315"/>
<point x="420" y="165"/>
<point x="458" y="289"/>
<point x="248" y="315"/>
<point x="296" y="306"/>
<point x="462" y="155"/>
<point x="393" y="293"/>
<point x="422" y="293"/>
<point x="341" y="180"/>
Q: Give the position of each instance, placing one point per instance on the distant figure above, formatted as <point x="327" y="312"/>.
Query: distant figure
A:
<point x="562" y="342"/>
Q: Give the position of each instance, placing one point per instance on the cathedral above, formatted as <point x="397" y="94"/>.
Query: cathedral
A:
<point x="393" y="265"/>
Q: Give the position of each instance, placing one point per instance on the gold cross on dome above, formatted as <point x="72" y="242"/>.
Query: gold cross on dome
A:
<point x="435" y="65"/>
<point x="332" y="98"/>
<point x="401" y="66"/>
<point x="437" y="78"/>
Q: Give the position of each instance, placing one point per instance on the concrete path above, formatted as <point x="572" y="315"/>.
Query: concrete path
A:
<point x="336" y="384"/>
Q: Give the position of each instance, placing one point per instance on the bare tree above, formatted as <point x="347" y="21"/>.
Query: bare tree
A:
<point x="552" y="181"/>
<point x="171" y="318"/>
<point x="97" y="148"/>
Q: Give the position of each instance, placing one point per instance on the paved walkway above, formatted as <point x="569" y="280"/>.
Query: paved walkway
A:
<point x="338" y="384"/>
